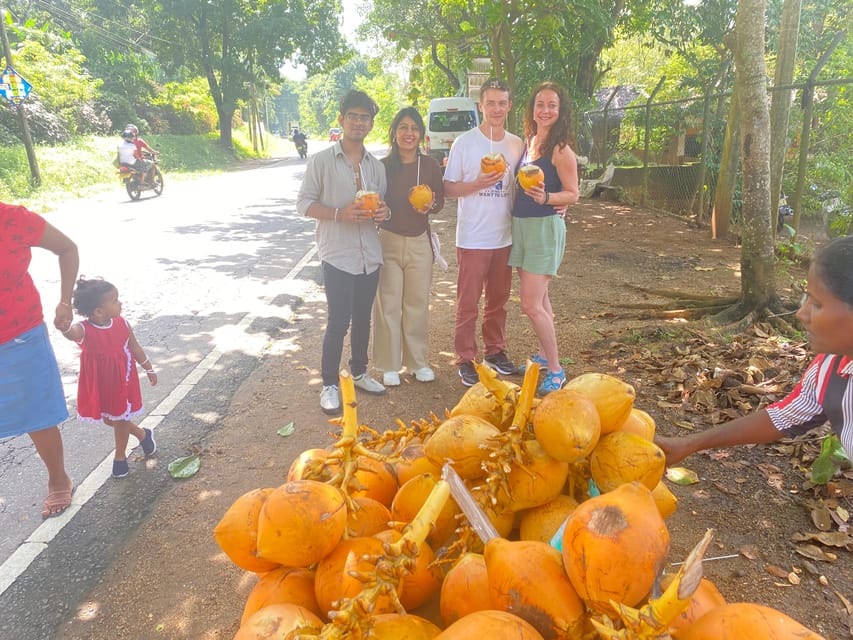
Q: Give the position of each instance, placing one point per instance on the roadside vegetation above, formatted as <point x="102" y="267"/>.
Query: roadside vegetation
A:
<point x="83" y="165"/>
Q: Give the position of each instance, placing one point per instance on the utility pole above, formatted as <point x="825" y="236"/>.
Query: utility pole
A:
<point x="22" y="115"/>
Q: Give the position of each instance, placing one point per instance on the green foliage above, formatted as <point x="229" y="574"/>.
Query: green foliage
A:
<point x="385" y="89"/>
<point x="831" y="459"/>
<point x="321" y="95"/>
<point x="188" y="107"/>
<point x="56" y="71"/>
<point x="232" y="44"/>
<point x="84" y="165"/>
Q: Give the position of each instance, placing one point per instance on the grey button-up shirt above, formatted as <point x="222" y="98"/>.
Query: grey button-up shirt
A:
<point x="330" y="181"/>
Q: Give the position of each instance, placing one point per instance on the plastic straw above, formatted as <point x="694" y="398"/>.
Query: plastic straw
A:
<point x="476" y="516"/>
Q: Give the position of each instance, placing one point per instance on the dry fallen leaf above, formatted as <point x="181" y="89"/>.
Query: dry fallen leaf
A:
<point x="725" y="489"/>
<point x="846" y="603"/>
<point x="749" y="551"/>
<point x="821" y="518"/>
<point x="778" y="572"/>
<point x="814" y="553"/>
<point x="828" y="538"/>
<point x="793" y="578"/>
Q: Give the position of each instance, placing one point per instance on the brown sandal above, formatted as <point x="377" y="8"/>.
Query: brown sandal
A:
<point x="56" y="502"/>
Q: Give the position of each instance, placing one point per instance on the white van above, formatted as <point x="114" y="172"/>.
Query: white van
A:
<point x="446" y="119"/>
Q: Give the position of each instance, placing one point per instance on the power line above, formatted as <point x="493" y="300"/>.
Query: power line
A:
<point x="94" y="23"/>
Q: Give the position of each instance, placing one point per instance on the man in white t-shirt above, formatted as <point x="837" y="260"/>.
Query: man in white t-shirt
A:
<point x="483" y="239"/>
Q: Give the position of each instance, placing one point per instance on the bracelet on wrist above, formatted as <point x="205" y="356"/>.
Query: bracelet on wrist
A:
<point x="65" y="304"/>
<point x="337" y="213"/>
<point x="149" y="371"/>
<point x="547" y="198"/>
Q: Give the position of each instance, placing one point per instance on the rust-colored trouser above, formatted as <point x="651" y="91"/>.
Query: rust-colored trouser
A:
<point x="479" y="270"/>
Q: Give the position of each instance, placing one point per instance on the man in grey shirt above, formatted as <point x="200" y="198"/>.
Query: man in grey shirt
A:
<point x="347" y="241"/>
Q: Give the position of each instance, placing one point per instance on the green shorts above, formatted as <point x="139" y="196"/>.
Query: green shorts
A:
<point x="538" y="244"/>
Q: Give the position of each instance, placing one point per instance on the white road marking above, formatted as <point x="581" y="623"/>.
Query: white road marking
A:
<point x="23" y="556"/>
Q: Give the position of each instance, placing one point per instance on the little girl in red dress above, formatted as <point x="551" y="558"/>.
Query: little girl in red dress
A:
<point x="108" y="387"/>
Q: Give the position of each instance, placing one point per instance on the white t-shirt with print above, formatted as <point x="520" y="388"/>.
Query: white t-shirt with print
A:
<point x="484" y="219"/>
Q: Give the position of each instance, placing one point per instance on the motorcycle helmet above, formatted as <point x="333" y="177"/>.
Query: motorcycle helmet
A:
<point x="127" y="134"/>
<point x="132" y="128"/>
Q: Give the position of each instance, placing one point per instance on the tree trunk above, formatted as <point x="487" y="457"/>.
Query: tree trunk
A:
<point x="757" y="256"/>
<point x="780" y="106"/>
<point x="724" y="194"/>
<point x="454" y="81"/>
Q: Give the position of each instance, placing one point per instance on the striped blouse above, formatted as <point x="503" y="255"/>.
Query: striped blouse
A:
<point x="825" y="394"/>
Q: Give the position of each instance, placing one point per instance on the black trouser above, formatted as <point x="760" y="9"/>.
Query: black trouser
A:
<point x="348" y="298"/>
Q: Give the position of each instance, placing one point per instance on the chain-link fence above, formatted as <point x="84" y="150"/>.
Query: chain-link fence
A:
<point x="667" y="153"/>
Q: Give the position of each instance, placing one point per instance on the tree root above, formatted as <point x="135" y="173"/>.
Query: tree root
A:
<point x="687" y="313"/>
<point x="682" y="295"/>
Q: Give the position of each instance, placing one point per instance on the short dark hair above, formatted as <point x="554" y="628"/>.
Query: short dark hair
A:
<point x="355" y="98"/>
<point x="88" y="295"/>
<point x="834" y="266"/>
<point x="494" y="83"/>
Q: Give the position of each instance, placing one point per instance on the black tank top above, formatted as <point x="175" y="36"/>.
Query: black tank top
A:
<point x="525" y="207"/>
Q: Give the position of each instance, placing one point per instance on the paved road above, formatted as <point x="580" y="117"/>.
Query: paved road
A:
<point x="208" y="275"/>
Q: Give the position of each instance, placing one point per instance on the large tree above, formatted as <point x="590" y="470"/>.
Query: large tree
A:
<point x="234" y="43"/>
<point x="525" y="42"/>
<point x="757" y="255"/>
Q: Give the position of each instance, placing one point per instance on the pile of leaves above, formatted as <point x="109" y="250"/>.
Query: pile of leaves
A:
<point x="697" y="380"/>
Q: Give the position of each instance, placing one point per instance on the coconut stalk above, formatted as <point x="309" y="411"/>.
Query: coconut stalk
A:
<point x="652" y="620"/>
<point x="508" y="450"/>
<point x="347" y="449"/>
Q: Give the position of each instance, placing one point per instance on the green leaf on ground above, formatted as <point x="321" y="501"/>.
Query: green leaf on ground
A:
<point x="287" y="430"/>
<point x="185" y="467"/>
<point x="829" y="461"/>
<point x="681" y="475"/>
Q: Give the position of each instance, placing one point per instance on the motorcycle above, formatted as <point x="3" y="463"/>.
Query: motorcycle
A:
<point x="302" y="149"/>
<point x="133" y="179"/>
<point x="785" y="213"/>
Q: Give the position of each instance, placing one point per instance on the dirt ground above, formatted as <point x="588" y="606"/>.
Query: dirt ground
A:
<point x="180" y="585"/>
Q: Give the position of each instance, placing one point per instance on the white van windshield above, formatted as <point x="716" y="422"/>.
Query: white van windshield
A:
<point x="444" y="121"/>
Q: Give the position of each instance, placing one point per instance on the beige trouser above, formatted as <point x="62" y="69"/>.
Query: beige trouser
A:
<point x="401" y="309"/>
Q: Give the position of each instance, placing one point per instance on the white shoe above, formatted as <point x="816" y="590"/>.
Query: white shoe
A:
<point x="425" y="375"/>
<point x="368" y="384"/>
<point x="391" y="379"/>
<point x="330" y="399"/>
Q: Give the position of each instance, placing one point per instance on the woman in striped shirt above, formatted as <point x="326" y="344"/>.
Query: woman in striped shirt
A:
<point x="825" y="393"/>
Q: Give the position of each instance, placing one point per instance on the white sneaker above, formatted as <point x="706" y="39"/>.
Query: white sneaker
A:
<point x="368" y="384"/>
<point x="330" y="399"/>
<point x="391" y="379"/>
<point x="425" y="375"/>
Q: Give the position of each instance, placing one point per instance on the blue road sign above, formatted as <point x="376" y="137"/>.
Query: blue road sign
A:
<point x="13" y="86"/>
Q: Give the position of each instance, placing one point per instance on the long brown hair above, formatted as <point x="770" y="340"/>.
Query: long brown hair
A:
<point x="560" y="134"/>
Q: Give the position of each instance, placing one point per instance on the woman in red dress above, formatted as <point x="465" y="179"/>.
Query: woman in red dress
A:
<point x="108" y="387"/>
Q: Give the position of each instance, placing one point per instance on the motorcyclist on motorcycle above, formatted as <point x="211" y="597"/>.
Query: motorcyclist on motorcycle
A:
<point x="130" y="156"/>
<point x="140" y="145"/>
<point x="300" y="140"/>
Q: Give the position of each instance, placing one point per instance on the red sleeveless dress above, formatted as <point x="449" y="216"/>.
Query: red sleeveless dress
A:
<point x="109" y="384"/>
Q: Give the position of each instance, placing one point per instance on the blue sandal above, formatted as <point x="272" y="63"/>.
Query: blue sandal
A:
<point x="554" y="381"/>
<point x="542" y="362"/>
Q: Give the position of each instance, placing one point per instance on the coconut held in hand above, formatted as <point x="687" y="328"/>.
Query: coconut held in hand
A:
<point x="421" y="197"/>
<point x="529" y="176"/>
<point x="493" y="163"/>
<point x="368" y="200"/>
